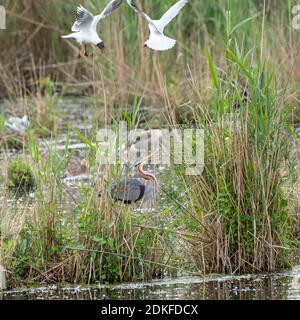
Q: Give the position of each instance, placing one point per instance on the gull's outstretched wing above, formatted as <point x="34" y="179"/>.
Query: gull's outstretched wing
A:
<point x="84" y="19"/>
<point x="133" y="5"/>
<point x="112" y="6"/>
<point x="171" y="13"/>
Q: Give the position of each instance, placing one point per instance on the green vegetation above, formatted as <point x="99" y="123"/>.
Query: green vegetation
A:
<point x="93" y="240"/>
<point x="127" y="65"/>
<point x="19" y="175"/>
<point x="2" y="123"/>
<point x="43" y="108"/>
<point x="239" y="199"/>
<point x="232" y="73"/>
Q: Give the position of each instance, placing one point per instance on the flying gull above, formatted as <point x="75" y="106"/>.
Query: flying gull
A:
<point x="85" y="27"/>
<point x="158" y="41"/>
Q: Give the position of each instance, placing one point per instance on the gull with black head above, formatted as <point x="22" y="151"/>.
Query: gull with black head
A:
<point x="158" y="41"/>
<point x="85" y="27"/>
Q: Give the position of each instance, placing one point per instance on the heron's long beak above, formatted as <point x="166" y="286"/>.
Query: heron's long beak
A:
<point x="132" y="165"/>
<point x="139" y="161"/>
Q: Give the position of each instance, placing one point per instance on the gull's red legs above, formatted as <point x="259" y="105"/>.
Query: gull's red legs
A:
<point x="79" y="55"/>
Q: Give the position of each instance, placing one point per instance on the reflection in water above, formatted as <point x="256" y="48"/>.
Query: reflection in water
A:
<point x="251" y="287"/>
<point x="294" y="288"/>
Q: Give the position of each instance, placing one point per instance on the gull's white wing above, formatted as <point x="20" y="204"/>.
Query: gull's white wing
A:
<point x="112" y="6"/>
<point x="84" y="19"/>
<point x="171" y="14"/>
<point x="133" y="5"/>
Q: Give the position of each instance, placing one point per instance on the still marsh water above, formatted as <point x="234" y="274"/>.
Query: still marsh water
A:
<point x="214" y="287"/>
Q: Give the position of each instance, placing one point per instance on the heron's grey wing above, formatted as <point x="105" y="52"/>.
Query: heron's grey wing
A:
<point x="133" y="5"/>
<point x="84" y="19"/>
<point x="112" y="6"/>
<point x="128" y="191"/>
<point x="171" y="13"/>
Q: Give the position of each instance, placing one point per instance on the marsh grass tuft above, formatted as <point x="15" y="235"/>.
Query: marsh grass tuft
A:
<point x="19" y="175"/>
<point x="240" y="197"/>
<point x="70" y="234"/>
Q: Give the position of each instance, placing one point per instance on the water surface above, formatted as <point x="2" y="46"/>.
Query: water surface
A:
<point x="281" y="286"/>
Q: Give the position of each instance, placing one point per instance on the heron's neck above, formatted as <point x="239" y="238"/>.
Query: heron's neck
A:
<point x="148" y="177"/>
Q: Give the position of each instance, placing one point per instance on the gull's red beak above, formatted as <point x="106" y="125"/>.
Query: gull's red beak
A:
<point x="145" y="46"/>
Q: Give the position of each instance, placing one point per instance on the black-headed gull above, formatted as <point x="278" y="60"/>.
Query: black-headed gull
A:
<point x="17" y="125"/>
<point x="158" y="41"/>
<point x="85" y="27"/>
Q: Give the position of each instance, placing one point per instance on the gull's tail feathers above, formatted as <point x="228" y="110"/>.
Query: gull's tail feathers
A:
<point x="161" y="43"/>
<point x="69" y="36"/>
